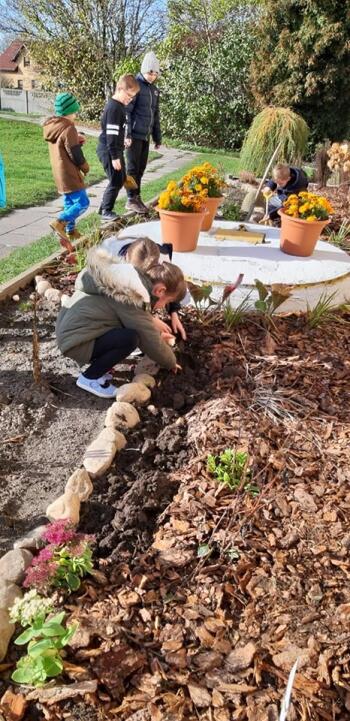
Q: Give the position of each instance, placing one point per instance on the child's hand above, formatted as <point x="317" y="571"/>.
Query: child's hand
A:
<point x="177" y="326"/>
<point x="161" y="326"/>
<point x="127" y="142"/>
<point x="267" y="192"/>
<point x="82" y="138"/>
<point x="116" y="164"/>
<point x="176" y="369"/>
<point x="156" y="146"/>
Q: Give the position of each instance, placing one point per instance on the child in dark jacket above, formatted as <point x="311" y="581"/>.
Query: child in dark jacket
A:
<point x="110" y="149"/>
<point x="142" y="123"/>
<point x="109" y="316"/>
<point x="286" y="181"/>
<point x="68" y="163"/>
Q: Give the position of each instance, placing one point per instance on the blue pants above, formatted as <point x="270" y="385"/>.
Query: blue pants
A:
<point x="74" y="204"/>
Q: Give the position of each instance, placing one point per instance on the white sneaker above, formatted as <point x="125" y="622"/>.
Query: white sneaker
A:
<point x="95" y="387"/>
<point x="105" y="379"/>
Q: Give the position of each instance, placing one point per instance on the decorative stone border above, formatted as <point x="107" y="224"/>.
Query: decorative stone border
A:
<point x="97" y="459"/>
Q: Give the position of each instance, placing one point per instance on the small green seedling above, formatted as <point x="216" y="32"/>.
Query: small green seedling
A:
<point x="233" y="317"/>
<point x="231" y="469"/>
<point x="45" y="639"/>
<point x="323" y="312"/>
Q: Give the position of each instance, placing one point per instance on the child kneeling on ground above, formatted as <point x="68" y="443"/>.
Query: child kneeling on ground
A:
<point x="109" y="316"/>
<point x="142" y="253"/>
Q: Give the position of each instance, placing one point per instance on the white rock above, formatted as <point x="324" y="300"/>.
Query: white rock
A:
<point x="80" y="483"/>
<point x="31" y="539"/>
<point x="53" y="295"/>
<point x="66" y="506"/>
<point x="6" y="631"/>
<point x="146" y="365"/>
<point x="15" y="298"/>
<point x="144" y="378"/>
<point x="65" y="300"/>
<point x="100" y="453"/>
<point x="14" y="563"/>
<point x="42" y="286"/>
<point x="121" y="415"/>
<point x="133" y="393"/>
<point x="8" y="594"/>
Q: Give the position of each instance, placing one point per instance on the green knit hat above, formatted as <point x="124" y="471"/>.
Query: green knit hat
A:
<point x="65" y="104"/>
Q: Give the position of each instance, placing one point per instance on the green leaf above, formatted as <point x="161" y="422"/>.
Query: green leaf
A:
<point x="53" y="665"/>
<point x="54" y="620"/>
<point x="262" y="289"/>
<point x="26" y="636"/>
<point x="55" y="629"/>
<point x="69" y="634"/>
<point x="36" y="649"/>
<point x="203" y="550"/>
<point x="260" y="305"/>
<point x="73" y="581"/>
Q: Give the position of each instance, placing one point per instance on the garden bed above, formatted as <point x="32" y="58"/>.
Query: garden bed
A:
<point x="191" y="570"/>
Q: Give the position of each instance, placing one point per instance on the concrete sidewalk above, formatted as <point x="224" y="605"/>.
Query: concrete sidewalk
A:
<point x="22" y="227"/>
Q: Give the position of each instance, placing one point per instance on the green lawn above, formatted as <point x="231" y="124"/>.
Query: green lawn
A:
<point x="23" y="258"/>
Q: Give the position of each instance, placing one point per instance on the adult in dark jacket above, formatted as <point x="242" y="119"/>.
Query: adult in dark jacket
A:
<point x="286" y="180"/>
<point x="142" y="124"/>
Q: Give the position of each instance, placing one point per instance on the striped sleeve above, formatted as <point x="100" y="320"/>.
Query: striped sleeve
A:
<point x="115" y="131"/>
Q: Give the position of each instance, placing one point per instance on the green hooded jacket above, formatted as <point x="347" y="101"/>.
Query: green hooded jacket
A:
<point x="109" y="294"/>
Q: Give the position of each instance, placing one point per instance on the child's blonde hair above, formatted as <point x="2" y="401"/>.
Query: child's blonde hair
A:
<point x="144" y="254"/>
<point x="128" y="82"/>
<point x="281" y="170"/>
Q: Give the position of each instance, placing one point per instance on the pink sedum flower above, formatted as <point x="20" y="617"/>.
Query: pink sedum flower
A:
<point x="59" y="532"/>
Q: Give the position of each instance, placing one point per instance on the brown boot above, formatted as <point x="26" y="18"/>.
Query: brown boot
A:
<point x="59" y="227"/>
<point x="74" y="234"/>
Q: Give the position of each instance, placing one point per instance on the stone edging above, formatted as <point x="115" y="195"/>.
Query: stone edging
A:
<point x="97" y="459"/>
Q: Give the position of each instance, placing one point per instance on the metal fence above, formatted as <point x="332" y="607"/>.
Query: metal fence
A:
<point x="26" y="101"/>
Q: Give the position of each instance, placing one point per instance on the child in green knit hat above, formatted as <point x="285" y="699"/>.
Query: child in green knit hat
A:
<point x="68" y="164"/>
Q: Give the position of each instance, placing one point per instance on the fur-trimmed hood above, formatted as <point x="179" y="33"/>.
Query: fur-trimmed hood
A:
<point x="108" y="274"/>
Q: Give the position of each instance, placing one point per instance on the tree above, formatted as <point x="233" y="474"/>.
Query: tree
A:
<point x="205" y="60"/>
<point x="302" y="62"/>
<point x="78" y="45"/>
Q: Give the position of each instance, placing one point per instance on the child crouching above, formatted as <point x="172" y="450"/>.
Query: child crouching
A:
<point x="109" y="316"/>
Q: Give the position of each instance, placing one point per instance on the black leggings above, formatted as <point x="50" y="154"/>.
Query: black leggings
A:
<point x="109" y="349"/>
<point x="136" y="158"/>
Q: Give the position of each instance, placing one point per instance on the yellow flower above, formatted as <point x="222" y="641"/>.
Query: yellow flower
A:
<point x="198" y="187"/>
<point x="204" y="180"/>
<point x="311" y="219"/>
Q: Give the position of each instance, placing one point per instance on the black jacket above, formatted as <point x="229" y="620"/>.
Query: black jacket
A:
<point x="142" y="113"/>
<point x="298" y="181"/>
<point x="113" y="129"/>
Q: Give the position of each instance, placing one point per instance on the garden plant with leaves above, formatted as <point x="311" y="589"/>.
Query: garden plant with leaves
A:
<point x="232" y="469"/>
<point x="46" y="636"/>
<point x="63" y="562"/>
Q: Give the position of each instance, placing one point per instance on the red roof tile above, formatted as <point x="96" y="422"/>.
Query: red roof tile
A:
<point x="8" y="57"/>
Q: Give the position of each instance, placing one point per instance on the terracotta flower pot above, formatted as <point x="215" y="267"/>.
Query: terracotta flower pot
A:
<point x="299" y="237"/>
<point x="211" y="205"/>
<point x="180" y="229"/>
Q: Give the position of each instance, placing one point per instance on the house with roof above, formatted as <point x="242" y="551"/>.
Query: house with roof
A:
<point x="17" y="69"/>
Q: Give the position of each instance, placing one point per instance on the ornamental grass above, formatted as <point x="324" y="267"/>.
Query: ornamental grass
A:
<point x="271" y="127"/>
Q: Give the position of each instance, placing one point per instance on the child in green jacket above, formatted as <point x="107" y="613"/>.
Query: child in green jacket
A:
<point x="109" y="316"/>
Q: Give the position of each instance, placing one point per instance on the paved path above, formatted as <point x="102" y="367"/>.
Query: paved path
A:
<point x="23" y="226"/>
